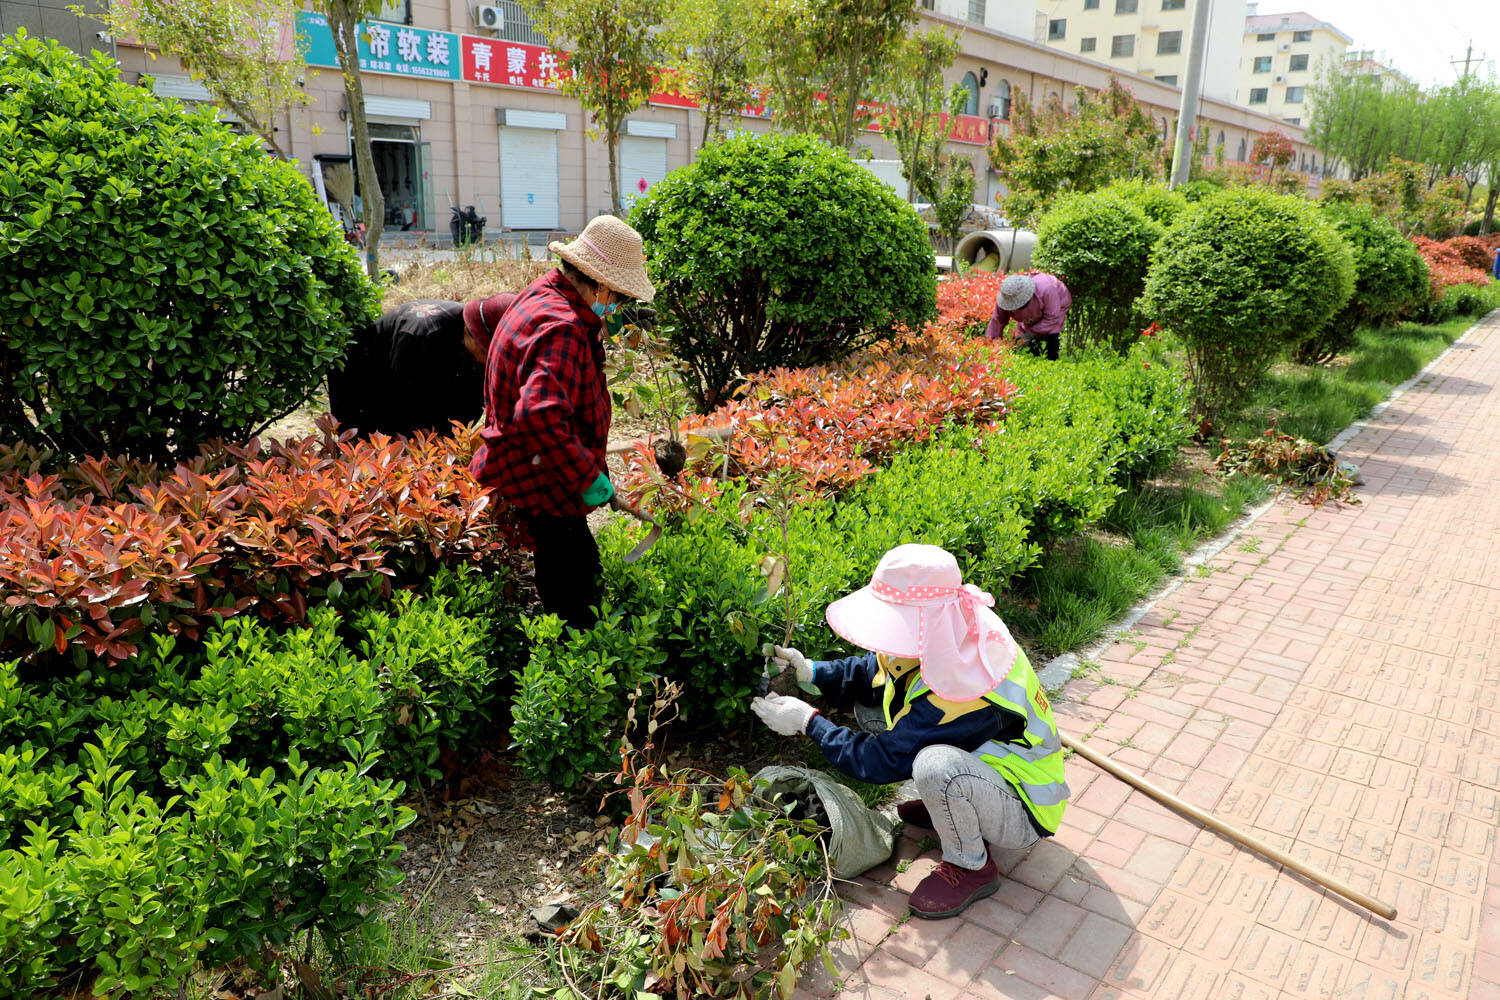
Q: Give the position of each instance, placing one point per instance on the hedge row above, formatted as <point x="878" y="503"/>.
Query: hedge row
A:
<point x="699" y="605"/>
<point x="204" y="801"/>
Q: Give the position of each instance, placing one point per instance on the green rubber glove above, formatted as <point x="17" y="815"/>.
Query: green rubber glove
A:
<point x="599" y="491"/>
<point x="614" y="323"/>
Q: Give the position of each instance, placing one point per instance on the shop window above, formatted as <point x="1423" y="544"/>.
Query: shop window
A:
<point x="395" y="11"/>
<point x="1002" y="98"/>
<point x="970" y="84"/>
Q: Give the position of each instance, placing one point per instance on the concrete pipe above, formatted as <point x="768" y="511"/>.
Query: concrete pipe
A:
<point x="1009" y="248"/>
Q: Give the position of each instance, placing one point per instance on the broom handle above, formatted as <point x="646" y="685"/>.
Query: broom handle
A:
<point x="1277" y="855"/>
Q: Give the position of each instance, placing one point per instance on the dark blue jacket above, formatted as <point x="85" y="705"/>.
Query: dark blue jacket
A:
<point x="882" y="758"/>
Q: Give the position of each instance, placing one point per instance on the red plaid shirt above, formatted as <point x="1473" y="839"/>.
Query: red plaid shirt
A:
<point x="546" y="402"/>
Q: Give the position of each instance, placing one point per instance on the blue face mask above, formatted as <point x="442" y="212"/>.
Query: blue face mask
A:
<point x="601" y="310"/>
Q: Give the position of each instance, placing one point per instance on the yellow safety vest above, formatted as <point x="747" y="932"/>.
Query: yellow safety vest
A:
<point x="1032" y="766"/>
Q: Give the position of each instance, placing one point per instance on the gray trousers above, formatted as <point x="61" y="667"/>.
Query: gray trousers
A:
<point x="970" y="804"/>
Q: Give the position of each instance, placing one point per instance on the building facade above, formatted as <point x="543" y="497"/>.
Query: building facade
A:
<point x="463" y="112"/>
<point x="1147" y="37"/>
<point x="1282" y="53"/>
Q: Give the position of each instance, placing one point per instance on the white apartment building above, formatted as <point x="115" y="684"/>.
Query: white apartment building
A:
<point x="1282" y="53"/>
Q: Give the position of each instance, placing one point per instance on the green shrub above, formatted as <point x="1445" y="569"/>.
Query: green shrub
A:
<point x="1390" y="281"/>
<point x="1195" y="191"/>
<point x="1099" y="244"/>
<point x="773" y="250"/>
<point x="165" y="282"/>
<point x="1161" y="204"/>
<point x="1468" y="300"/>
<point x="570" y="706"/>
<point x="1238" y="278"/>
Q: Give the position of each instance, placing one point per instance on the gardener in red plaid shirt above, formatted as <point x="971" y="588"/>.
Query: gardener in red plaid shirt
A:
<point x="547" y="407"/>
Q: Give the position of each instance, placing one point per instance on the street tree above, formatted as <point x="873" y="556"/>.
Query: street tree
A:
<point x="612" y="64"/>
<point x="1052" y="149"/>
<point x="823" y="60"/>
<point x="344" y="18"/>
<point x="1272" y="147"/>
<point x="246" y="53"/>
<point x="710" y="46"/>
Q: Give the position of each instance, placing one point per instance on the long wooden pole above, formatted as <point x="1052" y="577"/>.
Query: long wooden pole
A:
<point x="1277" y="855"/>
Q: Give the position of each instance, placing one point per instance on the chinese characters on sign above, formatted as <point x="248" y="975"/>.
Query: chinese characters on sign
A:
<point x="441" y="55"/>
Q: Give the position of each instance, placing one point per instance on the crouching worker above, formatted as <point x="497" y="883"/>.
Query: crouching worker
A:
<point x="953" y="704"/>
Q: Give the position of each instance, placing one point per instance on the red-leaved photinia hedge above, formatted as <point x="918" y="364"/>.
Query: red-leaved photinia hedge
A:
<point x="92" y="556"/>
<point x="835" y="424"/>
<point x="1449" y="264"/>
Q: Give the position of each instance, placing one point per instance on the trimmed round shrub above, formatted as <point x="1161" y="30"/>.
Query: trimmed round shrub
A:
<point x="1161" y="204"/>
<point x="165" y="281"/>
<point x="1195" y="191"/>
<point x="1390" y="281"/>
<point x="1099" y="244"/>
<point x="1242" y="276"/>
<point x="774" y="250"/>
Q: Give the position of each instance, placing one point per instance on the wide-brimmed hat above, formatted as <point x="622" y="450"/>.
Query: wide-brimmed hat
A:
<point x="1015" y="291"/>
<point x="917" y="605"/>
<point x="482" y="316"/>
<point x="610" y="252"/>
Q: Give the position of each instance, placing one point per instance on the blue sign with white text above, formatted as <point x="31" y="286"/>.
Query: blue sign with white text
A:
<point x="386" y="48"/>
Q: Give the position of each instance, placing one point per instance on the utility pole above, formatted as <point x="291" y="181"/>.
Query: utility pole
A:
<point x="1187" y="115"/>
<point x="1469" y="57"/>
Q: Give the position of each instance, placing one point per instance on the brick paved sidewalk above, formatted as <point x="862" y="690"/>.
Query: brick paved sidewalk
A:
<point x="1329" y="685"/>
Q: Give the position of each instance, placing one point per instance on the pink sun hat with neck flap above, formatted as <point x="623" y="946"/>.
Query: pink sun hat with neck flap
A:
<point x="917" y="605"/>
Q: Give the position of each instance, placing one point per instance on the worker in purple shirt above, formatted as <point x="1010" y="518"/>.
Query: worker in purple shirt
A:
<point x="1038" y="302"/>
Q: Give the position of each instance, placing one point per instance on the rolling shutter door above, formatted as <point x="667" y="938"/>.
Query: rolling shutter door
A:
<point x="643" y="162"/>
<point x="528" y="178"/>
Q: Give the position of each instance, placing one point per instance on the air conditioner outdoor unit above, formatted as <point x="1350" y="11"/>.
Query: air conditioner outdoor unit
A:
<point x="489" y="17"/>
<point x="994" y="111"/>
<point x="1286" y="46"/>
<point x="1281" y="79"/>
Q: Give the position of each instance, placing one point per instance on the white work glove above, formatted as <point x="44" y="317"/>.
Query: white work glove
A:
<point x="778" y="658"/>
<point x="785" y="715"/>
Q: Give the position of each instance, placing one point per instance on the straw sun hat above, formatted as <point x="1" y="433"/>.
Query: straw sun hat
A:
<point x="609" y="251"/>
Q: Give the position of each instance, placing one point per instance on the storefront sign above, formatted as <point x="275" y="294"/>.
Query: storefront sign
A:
<point x="386" y="48"/>
<point x="441" y="55"/>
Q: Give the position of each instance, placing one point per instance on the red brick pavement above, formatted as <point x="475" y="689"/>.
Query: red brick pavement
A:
<point x="1331" y="685"/>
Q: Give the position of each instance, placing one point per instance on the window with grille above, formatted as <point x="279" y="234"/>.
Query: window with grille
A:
<point x="1121" y="45"/>
<point x="1299" y="63"/>
<point x="1168" y="43"/>
<point x="1088" y="44"/>
<point x="976" y="11"/>
<point x="1262" y="64"/>
<point x="1257" y="95"/>
<point x="1126" y="6"/>
<point x="1057" y="29"/>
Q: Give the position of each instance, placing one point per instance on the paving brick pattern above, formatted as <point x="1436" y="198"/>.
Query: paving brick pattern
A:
<point x="1332" y="685"/>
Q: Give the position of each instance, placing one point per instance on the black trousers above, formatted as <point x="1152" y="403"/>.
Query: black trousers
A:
<point x="567" y="567"/>
<point x="1044" y="340"/>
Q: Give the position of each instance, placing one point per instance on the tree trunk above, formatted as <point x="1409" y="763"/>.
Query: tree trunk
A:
<point x="346" y="43"/>
<point x="612" y="137"/>
<point x="1490" y="198"/>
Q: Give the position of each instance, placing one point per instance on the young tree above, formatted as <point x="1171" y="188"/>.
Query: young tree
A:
<point x="916" y="102"/>
<point x="245" y="52"/>
<point x="709" y="51"/>
<point x="822" y="58"/>
<point x="1105" y="138"/>
<point x="343" y="20"/>
<point x="613" y="66"/>
<point x="1272" y="147"/>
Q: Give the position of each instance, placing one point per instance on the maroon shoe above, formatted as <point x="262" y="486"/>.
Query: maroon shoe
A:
<point x="913" y="812"/>
<point x="950" y="890"/>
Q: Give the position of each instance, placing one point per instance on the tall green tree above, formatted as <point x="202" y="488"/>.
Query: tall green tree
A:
<point x="245" y="52"/>
<point x="612" y="64"/>
<point x="710" y="49"/>
<point x="1103" y="138"/>
<point x="823" y="58"/>
<point x="916" y="103"/>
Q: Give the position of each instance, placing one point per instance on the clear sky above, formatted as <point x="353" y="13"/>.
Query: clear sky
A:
<point x="1417" y="38"/>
